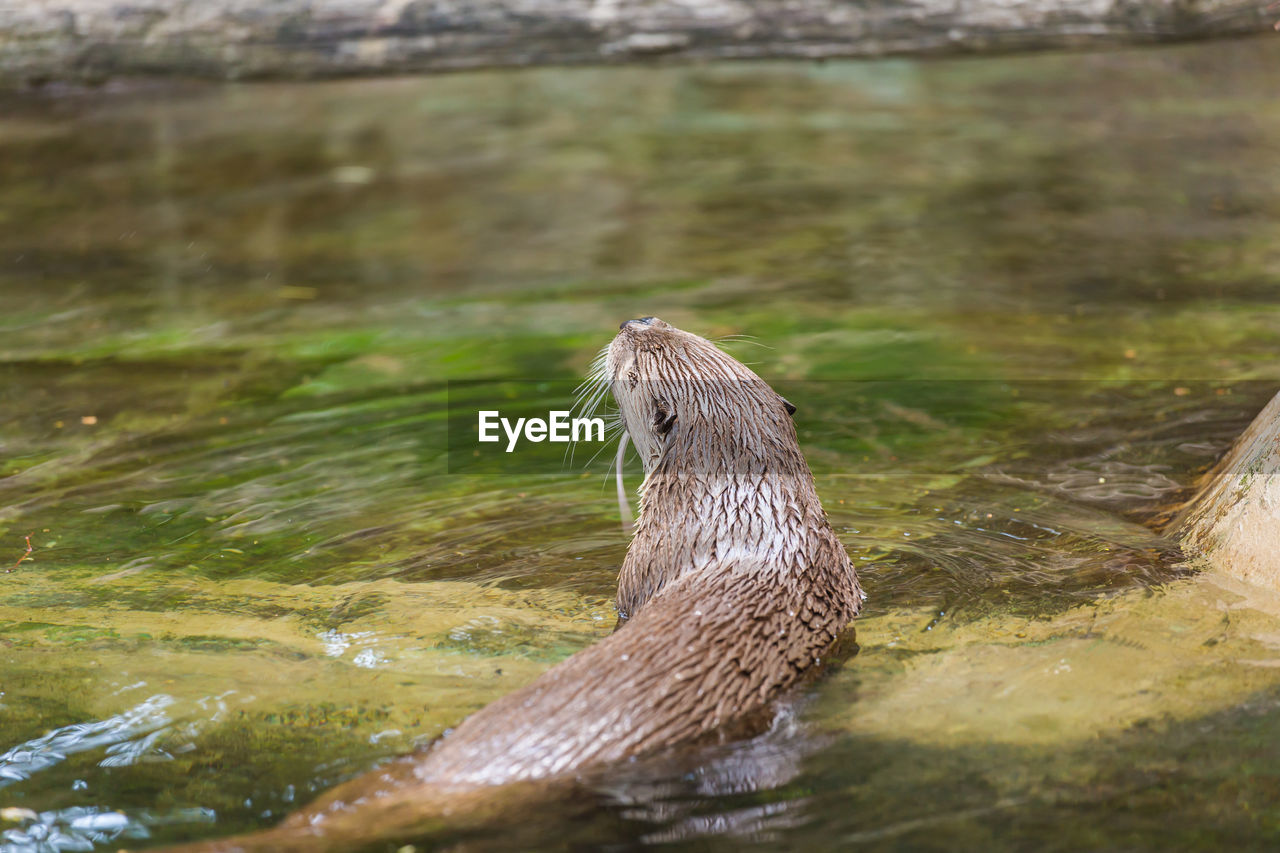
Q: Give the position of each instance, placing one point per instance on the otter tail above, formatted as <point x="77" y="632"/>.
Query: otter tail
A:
<point x="385" y="807"/>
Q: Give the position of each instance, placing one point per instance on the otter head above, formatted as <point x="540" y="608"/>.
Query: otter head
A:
<point x="673" y="388"/>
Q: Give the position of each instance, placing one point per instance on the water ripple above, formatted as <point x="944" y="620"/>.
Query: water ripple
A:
<point x="148" y="720"/>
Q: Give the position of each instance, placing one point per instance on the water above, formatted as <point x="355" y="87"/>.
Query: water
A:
<point x="1020" y="302"/>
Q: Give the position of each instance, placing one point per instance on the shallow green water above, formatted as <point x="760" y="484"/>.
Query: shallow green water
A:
<point x="1020" y="303"/>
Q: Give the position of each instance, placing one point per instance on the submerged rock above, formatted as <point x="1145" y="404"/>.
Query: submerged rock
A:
<point x="1234" y="520"/>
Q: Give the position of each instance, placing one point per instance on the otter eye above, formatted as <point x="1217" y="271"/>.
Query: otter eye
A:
<point x="663" y="420"/>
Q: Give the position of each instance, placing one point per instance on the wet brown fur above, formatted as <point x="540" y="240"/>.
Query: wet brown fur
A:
<point x="733" y="589"/>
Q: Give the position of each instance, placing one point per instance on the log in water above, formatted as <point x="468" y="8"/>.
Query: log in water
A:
<point x="77" y="40"/>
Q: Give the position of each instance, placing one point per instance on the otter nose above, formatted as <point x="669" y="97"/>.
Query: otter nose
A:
<point x="648" y="321"/>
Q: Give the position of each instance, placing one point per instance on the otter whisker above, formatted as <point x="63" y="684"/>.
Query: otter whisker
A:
<point x="595" y="384"/>
<point x="603" y="445"/>
<point x="586" y="409"/>
<point x="624" y="508"/>
<point x="589" y="396"/>
<point x="741" y="339"/>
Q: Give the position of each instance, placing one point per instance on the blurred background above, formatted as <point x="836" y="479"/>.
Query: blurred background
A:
<point x="1021" y="303"/>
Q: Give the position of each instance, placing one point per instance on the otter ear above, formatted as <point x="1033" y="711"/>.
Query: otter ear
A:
<point x="791" y="410"/>
<point x="663" y="419"/>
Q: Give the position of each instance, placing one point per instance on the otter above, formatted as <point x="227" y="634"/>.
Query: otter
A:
<point x="733" y="589"/>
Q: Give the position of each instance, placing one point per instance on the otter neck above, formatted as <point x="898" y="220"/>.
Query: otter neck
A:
<point x="720" y="497"/>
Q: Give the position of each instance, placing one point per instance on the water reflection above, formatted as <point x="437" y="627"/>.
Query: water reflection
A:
<point x="714" y="792"/>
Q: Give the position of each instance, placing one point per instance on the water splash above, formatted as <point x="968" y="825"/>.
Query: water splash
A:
<point x="84" y="828"/>
<point x="129" y="737"/>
